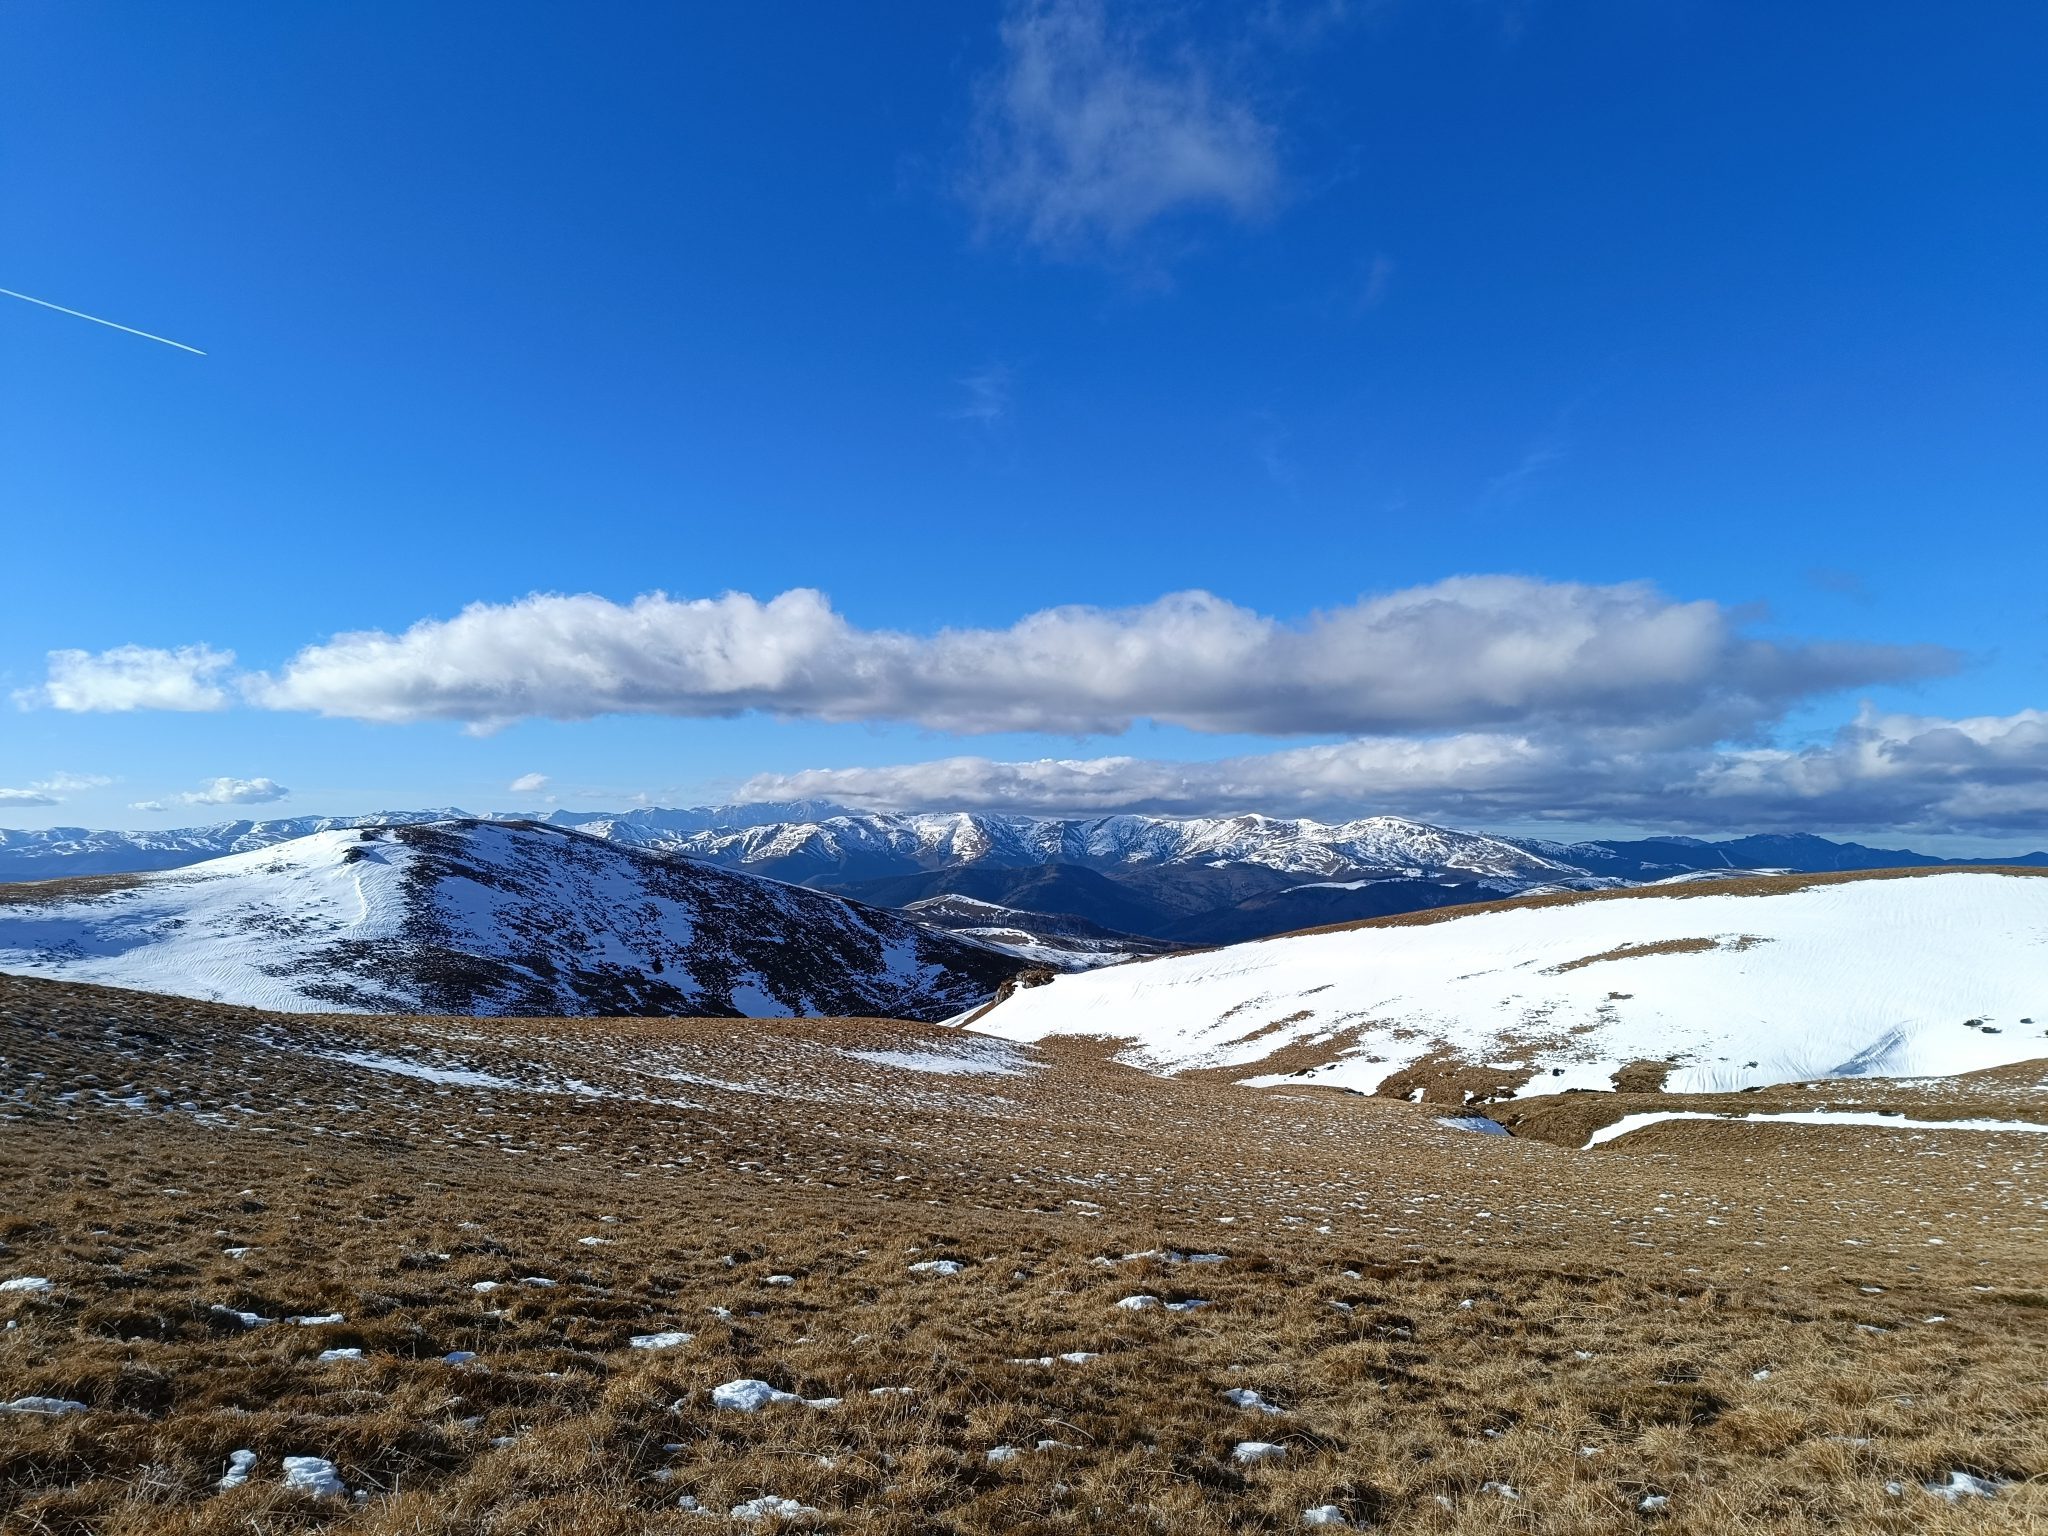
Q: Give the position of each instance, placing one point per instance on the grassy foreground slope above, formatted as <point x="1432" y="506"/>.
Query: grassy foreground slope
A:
<point x="1698" y="1328"/>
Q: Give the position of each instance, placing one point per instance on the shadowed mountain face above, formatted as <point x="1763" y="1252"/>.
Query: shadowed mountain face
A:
<point x="492" y="918"/>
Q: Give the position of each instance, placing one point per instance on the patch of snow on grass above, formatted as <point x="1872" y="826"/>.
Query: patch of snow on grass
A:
<point x="1629" y="1123"/>
<point x="315" y="1475"/>
<point x="45" y="1405"/>
<point x="770" y="1507"/>
<point x="987" y="1061"/>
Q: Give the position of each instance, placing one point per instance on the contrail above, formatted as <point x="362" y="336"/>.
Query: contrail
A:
<point x="96" y="320"/>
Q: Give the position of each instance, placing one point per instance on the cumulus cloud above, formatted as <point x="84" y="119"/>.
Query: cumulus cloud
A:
<point x="228" y="791"/>
<point x="51" y="791"/>
<point x="528" y="784"/>
<point x="1904" y="772"/>
<point x="132" y="677"/>
<point x="1085" y="133"/>
<point x="1475" y="650"/>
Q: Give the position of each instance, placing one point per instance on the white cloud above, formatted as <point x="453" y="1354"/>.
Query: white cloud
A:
<point x="528" y="784"/>
<point x="69" y="783"/>
<point x="1475" y="650"/>
<point x="132" y="677"/>
<point x="51" y="791"/>
<point x="148" y="805"/>
<point x="228" y="791"/>
<point x="1903" y="772"/>
<point x="1082" y="139"/>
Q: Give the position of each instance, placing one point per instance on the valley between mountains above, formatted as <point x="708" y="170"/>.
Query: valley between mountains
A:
<point x="453" y="1174"/>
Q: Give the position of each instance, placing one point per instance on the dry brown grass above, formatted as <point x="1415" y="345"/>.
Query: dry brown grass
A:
<point x="70" y="888"/>
<point x="1636" y="951"/>
<point x="1587" y="1329"/>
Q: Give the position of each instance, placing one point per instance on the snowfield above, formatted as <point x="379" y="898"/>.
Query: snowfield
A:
<point x="490" y="918"/>
<point x="1933" y="974"/>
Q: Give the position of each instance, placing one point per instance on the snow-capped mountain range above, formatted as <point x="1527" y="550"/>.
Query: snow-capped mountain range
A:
<point x="469" y="917"/>
<point x="1178" y="880"/>
<point x="865" y="846"/>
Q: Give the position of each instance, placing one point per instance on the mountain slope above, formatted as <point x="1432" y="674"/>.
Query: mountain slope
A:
<point x="1068" y="943"/>
<point x="1756" y="981"/>
<point x="489" y="918"/>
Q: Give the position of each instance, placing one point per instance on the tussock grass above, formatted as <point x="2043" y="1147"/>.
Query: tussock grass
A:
<point x="1439" y="1315"/>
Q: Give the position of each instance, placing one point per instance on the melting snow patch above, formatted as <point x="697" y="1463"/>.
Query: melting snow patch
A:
<point x="319" y="1320"/>
<point x="1138" y="1303"/>
<point x="328" y="1355"/>
<point x="998" y="1454"/>
<point x="26" y="1283"/>
<point x="938" y="1267"/>
<point x="750" y="1396"/>
<point x="1249" y="1453"/>
<point x="1628" y="1123"/>
<point x="239" y="1465"/>
<point x="458" y="1357"/>
<point x="1245" y="1397"/>
<point x="49" y="1405"/>
<point x="246" y="1319"/>
<point x="769" y="1507"/>
<point x="400" y="1067"/>
<point x="1324" y="1514"/>
<point x="1961" y="1485"/>
<point x="987" y="1062"/>
<point x="1479" y="1123"/>
<point x="659" y="1340"/>
<point x="314" y="1475"/>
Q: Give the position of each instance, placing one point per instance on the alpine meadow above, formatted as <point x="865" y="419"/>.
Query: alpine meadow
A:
<point x="1046" y="766"/>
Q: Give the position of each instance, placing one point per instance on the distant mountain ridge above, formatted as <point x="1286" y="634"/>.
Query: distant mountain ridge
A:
<point x="1177" y="880"/>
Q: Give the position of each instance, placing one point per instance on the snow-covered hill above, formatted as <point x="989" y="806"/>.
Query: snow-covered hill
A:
<point x="1766" y="981"/>
<point x="489" y="918"/>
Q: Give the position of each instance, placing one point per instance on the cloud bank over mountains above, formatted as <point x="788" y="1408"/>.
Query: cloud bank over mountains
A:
<point x="1903" y="772"/>
<point x="1468" y="651"/>
<point x="1476" y="698"/>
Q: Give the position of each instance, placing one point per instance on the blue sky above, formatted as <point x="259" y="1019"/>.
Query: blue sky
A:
<point x="1698" y="348"/>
